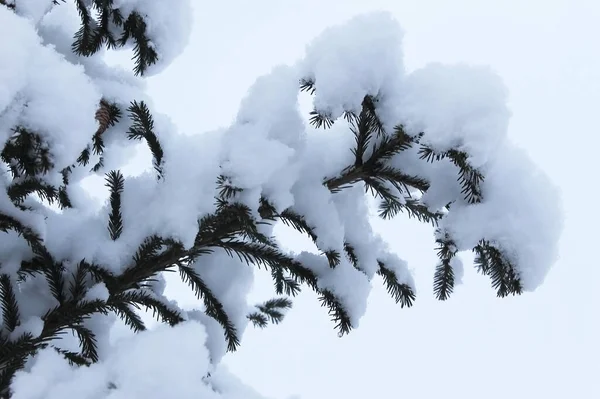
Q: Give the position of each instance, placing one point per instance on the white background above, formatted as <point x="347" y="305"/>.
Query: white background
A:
<point x="540" y="345"/>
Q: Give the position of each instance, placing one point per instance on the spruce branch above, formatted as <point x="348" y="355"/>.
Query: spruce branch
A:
<point x="272" y="310"/>
<point x="226" y="188"/>
<point x="258" y="319"/>
<point x="351" y="255"/>
<point x="144" y="54"/>
<point x="74" y="358"/>
<point x="443" y="279"/>
<point x="143" y="128"/>
<point x="87" y="341"/>
<point x="402" y="293"/>
<point x="369" y="112"/>
<point x="115" y="183"/>
<point x="144" y="298"/>
<point x="469" y="177"/>
<point x="77" y="286"/>
<point x="8" y="4"/>
<point x="490" y="261"/>
<point x="284" y="284"/>
<point x="338" y="314"/>
<point x="307" y="85"/>
<point x="55" y="278"/>
<point x="214" y="308"/>
<point x="26" y="154"/>
<point x="320" y="119"/>
<point x="9" y="305"/>
<point x="13" y="354"/>
<point x="20" y="190"/>
<point x="333" y="257"/>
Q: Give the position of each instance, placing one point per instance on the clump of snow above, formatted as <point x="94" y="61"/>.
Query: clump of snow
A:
<point x="342" y="62"/>
<point x="350" y="286"/>
<point x="521" y="213"/>
<point x="60" y="98"/>
<point x="457" y="106"/>
<point x="98" y="291"/>
<point x="168" y="25"/>
<point x="170" y="363"/>
<point x="33" y="9"/>
<point x="32" y="325"/>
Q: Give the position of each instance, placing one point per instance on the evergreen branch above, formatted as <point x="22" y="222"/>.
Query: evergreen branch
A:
<point x="143" y="128"/>
<point x="402" y="293"/>
<point x="298" y="222"/>
<point x="13" y="354"/>
<point x="85" y="36"/>
<point x="99" y="165"/>
<point x="258" y="254"/>
<point x="284" y="284"/>
<point x="338" y="314"/>
<point x="319" y="120"/>
<point x="115" y="183"/>
<point x="490" y="261"/>
<point x="144" y="54"/>
<point x="148" y="249"/>
<point x="10" y="5"/>
<point x="351" y="255"/>
<point x="77" y="286"/>
<point x="392" y="144"/>
<point x="55" y="278"/>
<point x="307" y="85"/>
<point x="226" y="189"/>
<point x="469" y="177"/>
<point x="139" y="298"/>
<point x="363" y="134"/>
<point x="26" y="154"/>
<point x="74" y="358"/>
<point x="214" y="308"/>
<point x="100" y="275"/>
<point x="400" y="180"/>
<point x="413" y="207"/>
<point x="63" y="198"/>
<point x="87" y="341"/>
<point x="443" y="280"/>
<point x="271" y="311"/>
<point x="258" y="319"/>
<point x="333" y="257"/>
<point x="71" y="312"/>
<point x="9" y="305"/>
<point x="128" y="315"/>
<point x="84" y="157"/>
<point x="19" y="191"/>
<point x="370" y="113"/>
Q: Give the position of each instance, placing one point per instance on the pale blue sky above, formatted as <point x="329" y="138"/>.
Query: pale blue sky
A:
<point x="543" y="344"/>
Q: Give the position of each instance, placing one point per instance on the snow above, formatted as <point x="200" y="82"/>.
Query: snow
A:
<point x="515" y="214"/>
<point x="41" y="78"/>
<point x="268" y="150"/>
<point x="168" y="25"/>
<point x="33" y="9"/>
<point x="458" y="106"/>
<point x="33" y="325"/>
<point x="98" y="291"/>
<point x="341" y="59"/>
<point x="170" y="362"/>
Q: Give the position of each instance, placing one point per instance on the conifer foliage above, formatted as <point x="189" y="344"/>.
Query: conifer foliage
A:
<point x="74" y="287"/>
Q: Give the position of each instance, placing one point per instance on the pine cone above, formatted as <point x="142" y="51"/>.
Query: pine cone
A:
<point x="104" y="117"/>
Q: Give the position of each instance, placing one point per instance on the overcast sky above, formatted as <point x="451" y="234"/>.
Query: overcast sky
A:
<point x="539" y="345"/>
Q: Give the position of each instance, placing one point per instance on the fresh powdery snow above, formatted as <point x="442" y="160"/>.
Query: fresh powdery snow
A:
<point x="269" y="150"/>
